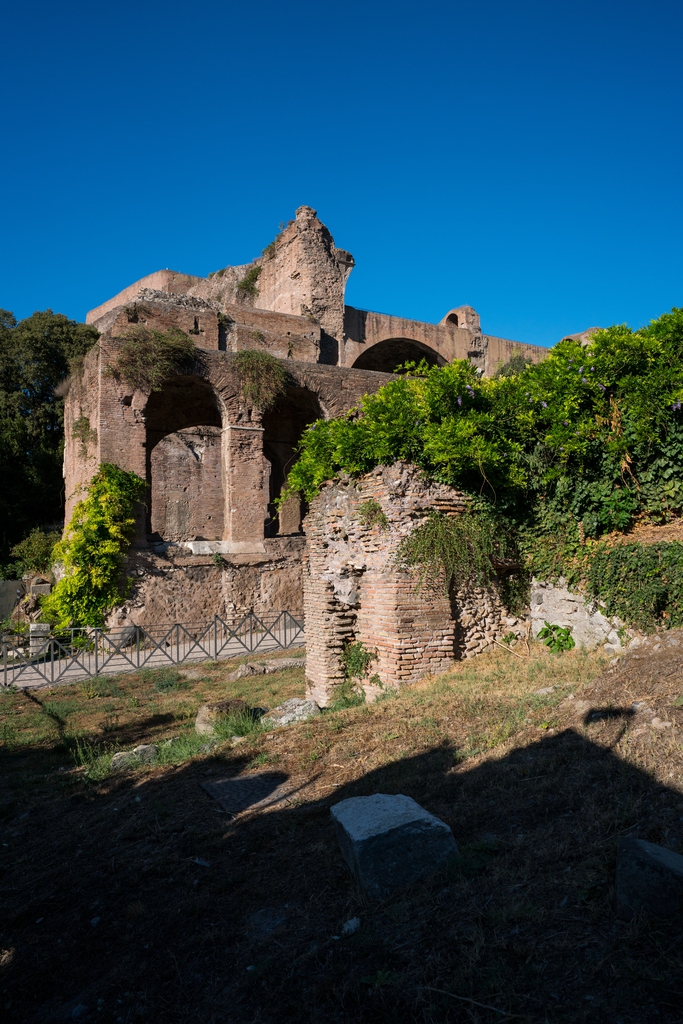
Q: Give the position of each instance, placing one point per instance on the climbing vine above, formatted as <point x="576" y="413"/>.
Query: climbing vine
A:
<point x="580" y="446"/>
<point x="92" y="551"/>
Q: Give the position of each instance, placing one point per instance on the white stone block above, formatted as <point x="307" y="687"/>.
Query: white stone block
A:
<point x="390" y="841"/>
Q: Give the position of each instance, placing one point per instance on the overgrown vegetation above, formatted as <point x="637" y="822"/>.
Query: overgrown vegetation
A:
<point x="147" y="357"/>
<point x="247" y="287"/>
<point x="34" y="553"/>
<point x="370" y="514"/>
<point x="262" y="377"/>
<point x="448" y="552"/>
<point x="641" y="583"/>
<point x="583" y="444"/>
<point x="97" y="538"/>
<point x="83" y="432"/>
<point x="36" y="355"/>
<point x="557" y="638"/>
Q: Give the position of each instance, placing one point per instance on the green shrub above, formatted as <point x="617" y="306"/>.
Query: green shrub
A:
<point x="262" y="377"/>
<point x="356" y="659"/>
<point x="448" y="552"/>
<point x="97" y="538"/>
<point x="370" y="514"/>
<point x="557" y="638"/>
<point x="247" y="287"/>
<point x="147" y="357"/>
<point x="641" y="583"/>
<point x="34" y="553"/>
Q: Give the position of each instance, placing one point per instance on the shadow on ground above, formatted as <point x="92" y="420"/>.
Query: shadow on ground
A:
<point x="147" y="903"/>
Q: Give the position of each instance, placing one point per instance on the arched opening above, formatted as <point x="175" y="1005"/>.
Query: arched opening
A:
<point x="184" y="462"/>
<point x="387" y="355"/>
<point x="452" y="318"/>
<point x="283" y="426"/>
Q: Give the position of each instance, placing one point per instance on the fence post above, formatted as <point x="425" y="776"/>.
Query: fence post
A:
<point x="215" y="637"/>
<point x="97" y="659"/>
<point x="4" y="663"/>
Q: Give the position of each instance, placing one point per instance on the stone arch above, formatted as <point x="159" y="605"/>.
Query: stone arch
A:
<point x="185" y="475"/>
<point x="388" y="354"/>
<point x="283" y="427"/>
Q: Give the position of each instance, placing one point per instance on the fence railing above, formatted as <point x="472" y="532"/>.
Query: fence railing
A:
<point x="78" y="653"/>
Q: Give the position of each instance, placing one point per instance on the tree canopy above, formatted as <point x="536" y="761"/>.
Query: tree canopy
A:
<point x="35" y="356"/>
<point x="592" y="435"/>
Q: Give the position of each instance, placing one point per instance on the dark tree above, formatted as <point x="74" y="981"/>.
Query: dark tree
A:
<point x="36" y="354"/>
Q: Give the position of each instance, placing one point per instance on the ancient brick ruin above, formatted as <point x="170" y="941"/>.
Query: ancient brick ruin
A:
<point x="213" y="464"/>
<point x="354" y="590"/>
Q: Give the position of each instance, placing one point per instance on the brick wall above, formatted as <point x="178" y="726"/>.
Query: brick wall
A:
<point x="353" y="589"/>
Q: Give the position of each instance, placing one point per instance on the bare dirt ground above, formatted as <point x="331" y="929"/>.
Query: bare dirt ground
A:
<point x="137" y="898"/>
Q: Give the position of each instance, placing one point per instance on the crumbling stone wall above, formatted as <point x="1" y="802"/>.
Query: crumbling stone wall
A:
<point x="179" y="587"/>
<point x="354" y="590"/>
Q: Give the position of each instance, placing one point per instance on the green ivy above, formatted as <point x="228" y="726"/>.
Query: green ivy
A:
<point x="641" y="583"/>
<point x="564" y="452"/>
<point x="92" y="551"/>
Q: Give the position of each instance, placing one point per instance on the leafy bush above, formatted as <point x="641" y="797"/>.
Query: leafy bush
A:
<point x="356" y="659"/>
<point x="262" y="377"/>
<point x="34" y="553"/>
<point x="247" y="287"/>
<point x="557" y="638"/>
<point x="641" y="583"/>
<point x="92" y="551"/>
<point x="448" y="552"/>
<point x="147" y="357"/>
<point x="581" y="445"/>
<point x="370" y="514"/>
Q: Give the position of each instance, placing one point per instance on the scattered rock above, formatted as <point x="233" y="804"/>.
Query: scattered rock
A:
<point x="351" y="926"/>
<point x="544" y="690"/>
<point x="146" y="752"/>
<point x="209" y="714"/>
<point x="296" y="709"/>
<point x="390" y="841"/>
<point x="260" y="668"/>
<point x="123" y="759"/>
<point x="649" y="880"/>
<point x="658" y="724"/>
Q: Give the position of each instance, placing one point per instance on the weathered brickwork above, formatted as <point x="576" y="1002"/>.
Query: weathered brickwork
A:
<point x="214" y="466"/>
<point x="354" y="589"/>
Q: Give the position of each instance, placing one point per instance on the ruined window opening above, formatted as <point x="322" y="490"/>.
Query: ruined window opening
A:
<point x="452" y="318"/>
<point x="387" y="355"/>
<point x="283" y="427"/>
<point x="184" y="472"/>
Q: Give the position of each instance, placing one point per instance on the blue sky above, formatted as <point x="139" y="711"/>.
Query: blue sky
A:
<point x="523" y="157"/>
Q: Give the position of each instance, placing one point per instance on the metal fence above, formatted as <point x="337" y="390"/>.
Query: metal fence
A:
<point x="79" y="653"/>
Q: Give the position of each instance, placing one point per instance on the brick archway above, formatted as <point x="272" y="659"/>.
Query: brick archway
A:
<point x="184" y="461"/>
<point x="392" y="352"/>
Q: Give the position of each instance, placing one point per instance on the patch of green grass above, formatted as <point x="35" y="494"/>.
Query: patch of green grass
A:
<point x="93" y="757"/>
<point x="164" y="680"/>
<point x="183" y="748"/>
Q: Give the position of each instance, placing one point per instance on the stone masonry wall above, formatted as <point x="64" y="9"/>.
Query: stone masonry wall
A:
<point x="353" y="589"/>
<point x="176" y="587"/>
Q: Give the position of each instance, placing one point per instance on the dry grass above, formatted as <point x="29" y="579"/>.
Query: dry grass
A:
<point x="537" y="788"/>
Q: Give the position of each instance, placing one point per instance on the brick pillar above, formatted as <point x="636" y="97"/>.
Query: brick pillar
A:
<point x="246" y="496"/>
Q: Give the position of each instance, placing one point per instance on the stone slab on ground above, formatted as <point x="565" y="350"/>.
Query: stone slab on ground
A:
<point x="390" y="841"/>
<point x="649" y="880"/>
<point x="209" y="714"/>
<point x="296" y="709"/>
<point x="262" y="668"/>
<point x="255" y="791"/>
